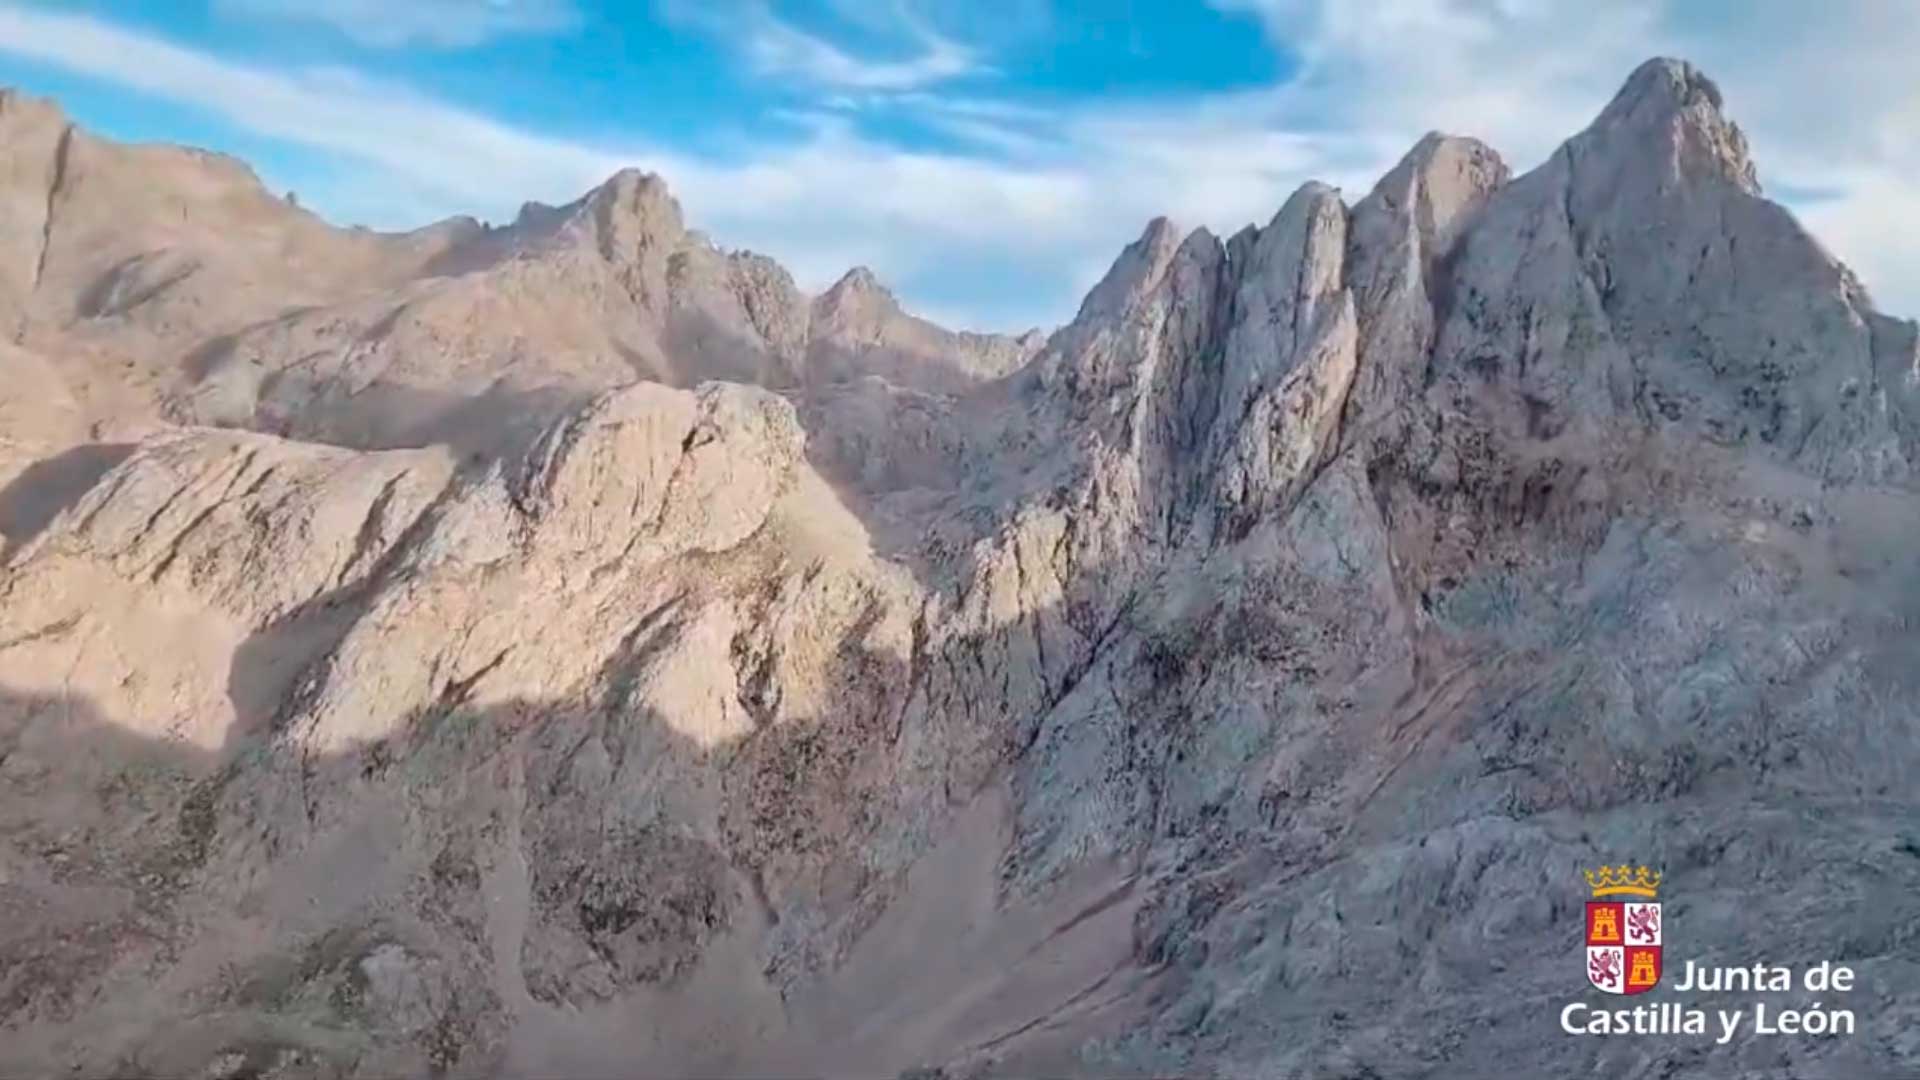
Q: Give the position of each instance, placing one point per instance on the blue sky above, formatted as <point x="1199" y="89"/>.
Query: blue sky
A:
<point x="986" y="157"/>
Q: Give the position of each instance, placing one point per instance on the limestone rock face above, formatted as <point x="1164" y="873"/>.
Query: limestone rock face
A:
<point x="567" y="648"/>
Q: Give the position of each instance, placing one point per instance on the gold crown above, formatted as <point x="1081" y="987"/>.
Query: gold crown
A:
<point x="1623" y="879"/>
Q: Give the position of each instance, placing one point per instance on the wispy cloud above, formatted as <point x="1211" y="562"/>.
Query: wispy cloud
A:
<point x="779" y="49"/>
<point x="425" y="143"/>
<point x="438" y="23"/>
<point x="775" y="47"/>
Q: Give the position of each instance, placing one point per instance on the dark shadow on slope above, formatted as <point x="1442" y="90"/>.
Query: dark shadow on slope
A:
<point x="776" y="822"/>
<point x="702" y="348"/>
<point x="1465" y="882"/>
<point x="217" y="351"/>
<point x="501" y="421"/>
<point x="94" y="848"/>
<point x="645" y="852"/>
<point x="209" y="356"/>
<point x="134" y="281"/>
<point x="267" y="666"/>
<point x="36" y="496"/>
<point x="929" y="474"/>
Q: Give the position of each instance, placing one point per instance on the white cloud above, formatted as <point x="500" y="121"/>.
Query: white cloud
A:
<point x="776" y="48"/>
<point x="1520" y="74"/>
<point x="396" y="23"/>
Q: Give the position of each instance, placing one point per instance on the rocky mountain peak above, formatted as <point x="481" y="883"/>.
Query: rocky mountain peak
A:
<point x="1437" y="182"/>
<point x="641" y="192"/>
<point x="860" y="279"/>
<point x="1139" y="266"/>
<point x="858" y="292"/>
<point x="1664" y="84"/>
<point x="630" y="213"/>
<point x="537" y="216"/>
<point x="1668" y="112"/>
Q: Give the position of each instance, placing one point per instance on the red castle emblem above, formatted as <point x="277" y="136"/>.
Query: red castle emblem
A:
<point x="1623" y="929"/>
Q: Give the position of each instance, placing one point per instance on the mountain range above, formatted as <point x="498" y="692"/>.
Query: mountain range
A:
<point x="569" y="648"/>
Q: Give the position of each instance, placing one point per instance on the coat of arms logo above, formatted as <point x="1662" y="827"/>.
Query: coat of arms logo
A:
<point x="1623" y="929"/>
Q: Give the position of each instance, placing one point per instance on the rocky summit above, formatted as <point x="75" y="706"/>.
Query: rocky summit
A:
<point x="568" y="648"/>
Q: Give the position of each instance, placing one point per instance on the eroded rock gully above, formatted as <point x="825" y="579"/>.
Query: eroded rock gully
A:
<point x="567" y="648"/>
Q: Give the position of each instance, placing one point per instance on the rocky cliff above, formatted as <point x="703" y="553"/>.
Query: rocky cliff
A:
<point x="567" y="648"/>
